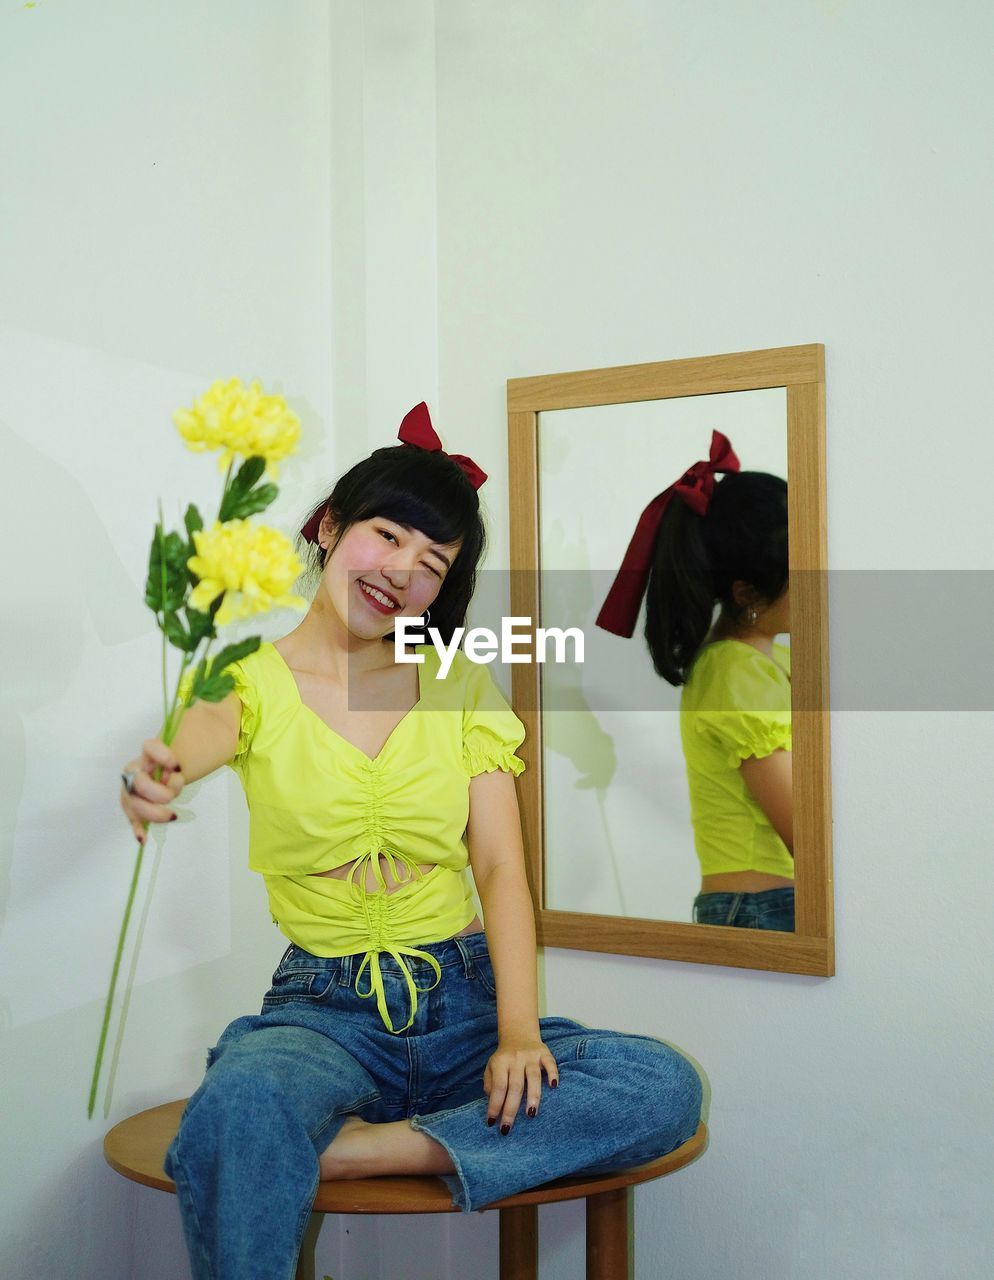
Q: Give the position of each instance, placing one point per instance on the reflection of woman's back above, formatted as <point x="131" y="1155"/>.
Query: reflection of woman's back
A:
<point x="724" y="543"/>
<point x="735" y="706"/>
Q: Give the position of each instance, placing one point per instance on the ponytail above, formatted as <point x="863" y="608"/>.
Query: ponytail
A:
<point x="696" y="559"/>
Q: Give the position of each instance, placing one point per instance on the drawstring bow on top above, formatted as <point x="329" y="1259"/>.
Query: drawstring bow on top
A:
<point x="375" y="910"/>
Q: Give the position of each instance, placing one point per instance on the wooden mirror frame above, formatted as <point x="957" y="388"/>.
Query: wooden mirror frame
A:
<point x="801" y="371"/>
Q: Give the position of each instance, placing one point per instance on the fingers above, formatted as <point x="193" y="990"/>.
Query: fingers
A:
<point x="156" y="753"/>
<point x="497" y="1091"/>
<point x="515" y="1076"/>
<point x="533" y="1088"/>
<point x="507" y="1086"/>
<point x="151" y="798"/>
<point x="512" y="1099"/>
<point x="533" y="1081"/>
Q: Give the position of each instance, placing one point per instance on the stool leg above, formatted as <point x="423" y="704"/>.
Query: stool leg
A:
<point x="607" y="1234"/>
<point x="305" y="1259"/>
<point x="519" y="1243"/>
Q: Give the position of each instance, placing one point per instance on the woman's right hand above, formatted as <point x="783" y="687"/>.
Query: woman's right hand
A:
<point x="151" y="801"/>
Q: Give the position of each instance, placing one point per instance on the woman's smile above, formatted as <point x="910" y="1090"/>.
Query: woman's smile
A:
<point x="377" y="598"/>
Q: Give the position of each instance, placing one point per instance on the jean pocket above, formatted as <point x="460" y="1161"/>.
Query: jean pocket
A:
<point x="301" y="984"/>
<point x="483" y="972"/>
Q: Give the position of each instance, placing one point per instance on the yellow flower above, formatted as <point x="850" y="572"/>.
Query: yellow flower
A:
<point x="240" y="420"/>
<point x="253" y="565"/>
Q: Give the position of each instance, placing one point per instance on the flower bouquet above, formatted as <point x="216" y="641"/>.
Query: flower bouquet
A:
<point x="201" y="579"/>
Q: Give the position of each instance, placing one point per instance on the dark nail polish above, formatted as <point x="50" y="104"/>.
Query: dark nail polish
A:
<point x="533" y="1111"/>
<point x="553" y="1084"/>
<point x="505" y="1129"/>
<point x="173" y="817"/>
<point x="490" y="1122"/>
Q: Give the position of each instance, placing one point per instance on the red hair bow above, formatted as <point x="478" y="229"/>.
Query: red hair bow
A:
<point x="416" y="429"/>
<point x="620" y="610"/>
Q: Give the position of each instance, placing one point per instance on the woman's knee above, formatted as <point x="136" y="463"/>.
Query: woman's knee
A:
<point x="662" y="1073"/>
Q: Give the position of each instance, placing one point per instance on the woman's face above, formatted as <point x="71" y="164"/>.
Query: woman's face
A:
<point x="382" y="570"/>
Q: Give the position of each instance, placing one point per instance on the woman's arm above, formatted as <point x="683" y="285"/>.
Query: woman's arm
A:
<point x="207" y="737"/>
<point x="770" y="780"/>
<point x="498" y="862"/>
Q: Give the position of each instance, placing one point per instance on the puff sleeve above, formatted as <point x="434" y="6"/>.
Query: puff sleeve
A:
<point x="248" y="694"/>
<point x="491" y="731"/>
<point x="748" y="713"/>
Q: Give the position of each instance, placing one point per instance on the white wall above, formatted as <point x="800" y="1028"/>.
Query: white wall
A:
<point x="377" y="202"/>
<point x="165" y="185"/>
<point x="642" y="181"/>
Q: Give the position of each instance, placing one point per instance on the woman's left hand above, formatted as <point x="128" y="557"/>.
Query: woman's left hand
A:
<point x="515" y="1072"/>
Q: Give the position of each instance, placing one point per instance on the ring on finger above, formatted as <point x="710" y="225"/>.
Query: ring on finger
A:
<point x="128" y="779"/>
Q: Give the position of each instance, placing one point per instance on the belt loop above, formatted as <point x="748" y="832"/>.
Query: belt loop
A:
<point x="346" y="970"/>
<point x="733" y="910"/>
<point x="468" y="965"/>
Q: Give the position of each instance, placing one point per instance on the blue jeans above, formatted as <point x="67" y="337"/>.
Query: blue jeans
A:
<point x="245" y="1159"/>
<point x="771" y="909"/>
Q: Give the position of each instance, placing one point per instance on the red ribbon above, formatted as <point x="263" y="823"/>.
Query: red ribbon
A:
<point x="416" y="429"/>
<point x="620" y="610"/>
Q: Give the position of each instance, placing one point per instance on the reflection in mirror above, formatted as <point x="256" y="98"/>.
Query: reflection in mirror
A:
<point x="668" y="788"/>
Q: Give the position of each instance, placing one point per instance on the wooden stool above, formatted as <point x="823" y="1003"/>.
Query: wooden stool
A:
<point x="137" y="1147"/>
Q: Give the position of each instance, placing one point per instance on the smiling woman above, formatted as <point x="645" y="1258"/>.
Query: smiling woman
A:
<point x="397" y="1037"/>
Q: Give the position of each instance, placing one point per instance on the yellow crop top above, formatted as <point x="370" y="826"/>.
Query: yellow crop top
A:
<point x="735" y="703"/>
<point x="317" y="802"/>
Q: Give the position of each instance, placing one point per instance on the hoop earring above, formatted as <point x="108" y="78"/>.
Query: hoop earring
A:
<point x="753" y="615"/>
<point x="426" y="618"/>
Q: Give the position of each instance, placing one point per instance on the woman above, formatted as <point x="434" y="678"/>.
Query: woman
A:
<point x="390" y="1042"/>
<point x="723" y="542"/>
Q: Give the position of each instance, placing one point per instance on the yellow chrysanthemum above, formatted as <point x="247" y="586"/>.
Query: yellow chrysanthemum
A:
<point x="253" y="565"/>
<point x="240" y="420"/>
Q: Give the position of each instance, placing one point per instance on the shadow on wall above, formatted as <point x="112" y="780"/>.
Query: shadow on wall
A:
<point x="60" y="566"/>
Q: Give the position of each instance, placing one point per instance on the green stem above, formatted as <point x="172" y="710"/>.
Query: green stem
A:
<point x="167" y="734"/>
<point x="162" y="597"/>
<point x="113" y="978"/>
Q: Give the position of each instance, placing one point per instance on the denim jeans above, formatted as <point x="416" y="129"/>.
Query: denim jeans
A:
<point x="771" y="909"/>
<point x="278" y="1085"/>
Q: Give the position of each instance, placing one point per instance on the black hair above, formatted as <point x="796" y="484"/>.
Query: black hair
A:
<point x="696" y="559"/>
<point x="424" y="490"/>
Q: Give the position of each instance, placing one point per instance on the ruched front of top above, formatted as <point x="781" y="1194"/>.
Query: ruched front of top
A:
<point x="317" y="802"/>
<point x="735" y="704"/>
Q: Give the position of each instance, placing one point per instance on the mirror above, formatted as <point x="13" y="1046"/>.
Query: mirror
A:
<point x="616" y="852"/>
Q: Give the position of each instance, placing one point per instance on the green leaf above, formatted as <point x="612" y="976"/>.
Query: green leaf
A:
<point x="167" y="582"/>
<point x="201" y="625"/>
<point x="214" y="689"/>
<point x="193" y="523"/>
<point x="177" y="634"/>
<point x="234" y="653"/>
<point x="248" y="473"/>
<point x="243" y="498"/>
<point x="241" y="506"/>
<point x="197" y="679"/>
<point x="209" y="688"/>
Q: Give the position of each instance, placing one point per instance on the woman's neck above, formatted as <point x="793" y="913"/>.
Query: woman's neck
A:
<point x="724" y="630"/>
<point x="323" y="645"/>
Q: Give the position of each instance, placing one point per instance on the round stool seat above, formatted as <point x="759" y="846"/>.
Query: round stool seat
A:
<point x="136" y="1148"/>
